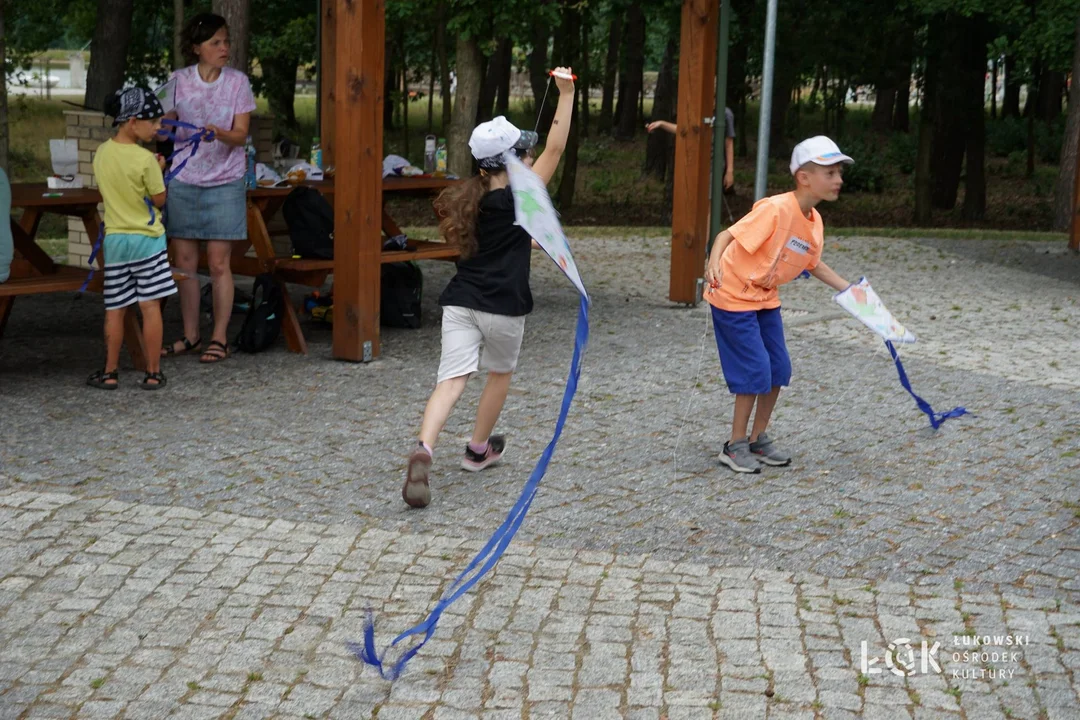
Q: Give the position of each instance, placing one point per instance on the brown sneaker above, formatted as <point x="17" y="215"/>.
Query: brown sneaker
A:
<point x="416" y="491"/>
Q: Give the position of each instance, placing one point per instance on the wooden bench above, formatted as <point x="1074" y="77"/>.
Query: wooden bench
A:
<point x="65" y="279"/>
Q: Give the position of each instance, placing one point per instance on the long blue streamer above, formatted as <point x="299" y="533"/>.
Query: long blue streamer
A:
<point x="936" y="419"/>
<point x="93" y="256"/>
<point x="499" y="541"/>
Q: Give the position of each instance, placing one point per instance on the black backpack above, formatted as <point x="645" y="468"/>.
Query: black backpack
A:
<point x="262" y="324"/>
<point x="311" y="223"/>
<point x="402" y="289"/>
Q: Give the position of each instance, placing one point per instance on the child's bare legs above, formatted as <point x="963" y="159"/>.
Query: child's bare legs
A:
<point x="152" y="332"/>
<point x="114" y="339"/>
<point x="765" y="406"/>
<point x="744" y="405"/>
<point x="439" y="406"/>
<point x="491" y="404"/>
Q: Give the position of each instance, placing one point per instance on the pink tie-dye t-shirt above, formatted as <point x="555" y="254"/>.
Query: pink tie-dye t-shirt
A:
<point x="201" y="103"/>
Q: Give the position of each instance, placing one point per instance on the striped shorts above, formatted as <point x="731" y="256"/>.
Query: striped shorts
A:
<point x="136" y="270"/>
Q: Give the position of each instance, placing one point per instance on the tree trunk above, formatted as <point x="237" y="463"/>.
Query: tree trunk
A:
<point x="783" y="80"/>
<point x="658" y="147"/>
<point x="279" y="77"/>
<point x="974" y="207"/>
<point x="571" y="28"/>
<point x="611" y="67"/>
<point x="236" y="15"/>
<point x="444" y="66"/>
<point x="1010" y="103"/>
<point x="4" y="129"/>
<point x="1051" y="88"/>
<point x="404" y="96"/>
<point x="993" y="89"/>
<point x="434" y="68"/>
<point x="953" y="41"/>
<point x="902" y="116"/>
<point x="390" y="108"/>
<point x="469" y="79"/>
<point x="1064" y="190"/>
<point x="539" y="79"/>
<point x="178" y="26"/>
<point x="108" y="51"/>
<point x="633" y="55"/>
<point x="497" y="65"/>
<point x="584" y="75"/>
<point x="502" y="99"/>
<point x="1034" y="89"/>
<point x="884" y="105"/>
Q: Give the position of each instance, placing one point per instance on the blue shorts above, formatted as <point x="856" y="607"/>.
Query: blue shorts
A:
<point x="207" y="213"/>
<point x="753" y="354"/>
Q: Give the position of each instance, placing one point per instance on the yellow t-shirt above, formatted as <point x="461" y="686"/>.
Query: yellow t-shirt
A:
<point x="773" y="244"/>
<point x="126" y="174"/>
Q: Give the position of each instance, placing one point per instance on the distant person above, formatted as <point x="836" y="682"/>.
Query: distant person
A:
<point x="208" y="197"/>
<point x="729" y="144"/>
<point x="136" y="258"/>
<point x="7" y="245"/>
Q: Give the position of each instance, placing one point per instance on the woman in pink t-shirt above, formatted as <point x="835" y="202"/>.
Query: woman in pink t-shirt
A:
<point x="207" y="200"/>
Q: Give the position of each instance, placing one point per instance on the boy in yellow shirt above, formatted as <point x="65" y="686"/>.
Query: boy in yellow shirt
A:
<point x="136" y="262"/>
<point x="773" y="244"/>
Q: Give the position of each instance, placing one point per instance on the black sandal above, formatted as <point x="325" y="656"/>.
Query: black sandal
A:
<point x="189" y="347"/>
<point x="215" y="352"/>
<point x="101" y="379"/>
<point x="147" y="385"/>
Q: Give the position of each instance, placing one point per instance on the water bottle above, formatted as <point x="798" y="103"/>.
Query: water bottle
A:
<point x="440" y="157"/>
<point x="316" y="153"/>
<point x="429" y="154"/>
<point x="249" y="174"/>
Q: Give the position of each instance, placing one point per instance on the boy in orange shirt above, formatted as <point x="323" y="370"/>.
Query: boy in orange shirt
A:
<point x="779" y="238"/>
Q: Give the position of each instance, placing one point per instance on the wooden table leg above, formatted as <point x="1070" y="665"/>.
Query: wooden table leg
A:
<point x="260" y="240"/>
<point x="5" y="312"/>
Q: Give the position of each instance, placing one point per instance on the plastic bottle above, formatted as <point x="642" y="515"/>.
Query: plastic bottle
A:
<point x="429" y="154"/>
<point x="440" y="157"/>
<point x="316" y="153"/>
<point x="249" y="173"/>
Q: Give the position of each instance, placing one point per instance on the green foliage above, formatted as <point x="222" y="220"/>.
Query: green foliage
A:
<point x="869" y="173"/>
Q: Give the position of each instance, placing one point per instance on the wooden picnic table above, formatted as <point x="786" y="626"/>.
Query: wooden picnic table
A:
<point x="33" y="272"/>
<point x="265" y="202"/>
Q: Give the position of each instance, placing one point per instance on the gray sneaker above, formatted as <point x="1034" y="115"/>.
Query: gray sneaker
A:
<point x="765" y="452"/>
<point x="738" y="457"/>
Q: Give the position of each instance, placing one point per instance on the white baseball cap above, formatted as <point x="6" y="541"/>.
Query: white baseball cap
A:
<point x="494" y="137"/>
<point x="819" y="150"/>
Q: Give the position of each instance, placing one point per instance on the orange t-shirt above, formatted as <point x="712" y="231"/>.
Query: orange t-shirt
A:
<point x="773" y="244"/>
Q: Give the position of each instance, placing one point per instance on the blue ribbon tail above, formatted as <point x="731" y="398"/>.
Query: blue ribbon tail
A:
<point x="936" y="418"/>
<point x="150" y="207"/>
<point x="93" y="256"/>
<point x="501" y="538"/>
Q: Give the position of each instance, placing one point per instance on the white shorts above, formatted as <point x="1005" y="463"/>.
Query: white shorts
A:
<point x="465" y="331"/>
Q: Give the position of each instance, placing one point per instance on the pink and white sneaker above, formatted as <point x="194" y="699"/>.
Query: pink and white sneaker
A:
<point x="475" y="462"/>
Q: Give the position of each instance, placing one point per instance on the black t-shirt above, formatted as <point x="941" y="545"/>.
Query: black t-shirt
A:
<point x="496" y="278"/>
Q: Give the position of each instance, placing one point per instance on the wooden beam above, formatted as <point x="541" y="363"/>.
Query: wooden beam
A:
<point x="697" y="91"/>
<point x="327" y="63"/>
<point x="359" y="32"/>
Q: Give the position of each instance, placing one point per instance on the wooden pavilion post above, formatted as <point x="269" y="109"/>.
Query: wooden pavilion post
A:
<point x="697" y="91"/>
<point x="1074" y="225"/>
<point x="359" y="28"/>
<point x="327" y="54"/>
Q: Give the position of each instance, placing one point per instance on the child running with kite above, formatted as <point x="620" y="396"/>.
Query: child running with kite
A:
<point x="485" y="303"/>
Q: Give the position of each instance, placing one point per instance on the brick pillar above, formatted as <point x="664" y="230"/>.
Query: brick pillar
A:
<point x="90" y="129"/>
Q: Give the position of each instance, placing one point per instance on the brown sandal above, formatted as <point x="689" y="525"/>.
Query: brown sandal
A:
<point x="215" y="352"/>
<point x="189" y="347"/>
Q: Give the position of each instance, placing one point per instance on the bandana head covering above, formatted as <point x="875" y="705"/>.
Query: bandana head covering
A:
<point x="136" y="102"/>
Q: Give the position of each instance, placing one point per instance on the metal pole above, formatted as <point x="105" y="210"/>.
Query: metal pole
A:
<point x="761" y="176"/>
<point x="719" y="160"/>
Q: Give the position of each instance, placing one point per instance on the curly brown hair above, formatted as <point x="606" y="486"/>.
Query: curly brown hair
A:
<point x="458" y="206"/>
<point x="198" y="30"/>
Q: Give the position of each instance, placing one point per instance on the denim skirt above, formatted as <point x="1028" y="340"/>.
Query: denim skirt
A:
<point x="207" y="213"/>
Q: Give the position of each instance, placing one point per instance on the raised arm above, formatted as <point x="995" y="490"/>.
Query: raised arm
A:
<point x="548" y="161"/>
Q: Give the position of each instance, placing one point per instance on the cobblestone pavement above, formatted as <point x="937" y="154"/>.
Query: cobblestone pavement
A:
<point x="230" y="531"/>
<point x="127" y="610"/>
